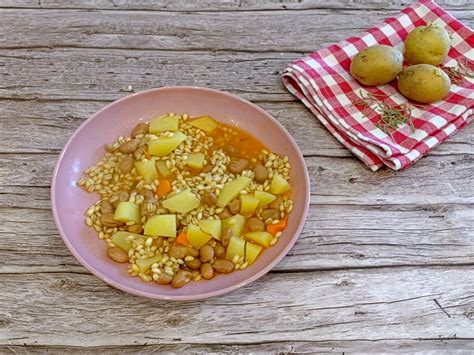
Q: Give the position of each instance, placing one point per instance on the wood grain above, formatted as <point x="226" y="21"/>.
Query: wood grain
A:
<point x="385" y="260"/>
<point x="371" y="306"/>
<point x="218" y="5"/>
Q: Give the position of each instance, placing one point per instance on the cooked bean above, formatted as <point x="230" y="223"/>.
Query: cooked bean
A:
<point x="255" y="225"/>
<point x="164" y="279"/>
<point x="122" y="197"/>
<point x="158" y="241"/>
<point x="270" y="213"/>
<point x="129" y="146"/>
<point x="106" y="207"/>
<point x="207" y="271"/>
<point x="178" y="251"/>
<point x="223" y="266"/>
<point x="181" y="278"/>
<point x="276" y="203"/>
<point x="206" y="253"/>
<point x="237" y="166"/>
<point x="261" y="173"/>
<point x="136" y="228"/>
<point x="231" y="150"/>
<point x="225" y="214"/>
<point x="192" y="252"/>
<point x="141" y="128"/>
<point x="225" y="237"/>
<point x="107" y="220"/>
<point x="126" y="164"/>
<point x="139" y="152"/>
<point x="207" y="168"/>
<point x="234" y="206"/>
<point x="110" y="148"/>
<point x="219" y="250"/>
<point x="209" y="198"/>
<point x="117" y="254"/>
<point x="194" y="264"/>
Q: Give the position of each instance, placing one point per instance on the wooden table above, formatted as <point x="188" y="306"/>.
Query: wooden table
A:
<point x="385" y="262"/>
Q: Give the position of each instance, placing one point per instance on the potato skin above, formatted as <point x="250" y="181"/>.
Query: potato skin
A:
<point x="427" y="45"/>
<point x="376" y="65"/>
<point x="424" y="83"/>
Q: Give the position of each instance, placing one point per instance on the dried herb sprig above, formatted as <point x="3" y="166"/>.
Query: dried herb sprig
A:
<point x="391" y="116"/>
<point x="457" y="74"/>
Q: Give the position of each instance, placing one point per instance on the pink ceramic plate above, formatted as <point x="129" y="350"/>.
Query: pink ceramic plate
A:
<point x="85" y="148"/>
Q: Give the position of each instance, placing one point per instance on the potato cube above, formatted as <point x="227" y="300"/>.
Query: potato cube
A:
<point x="145" y="264"/>
<point x="163" y="225"/>
<point x="120" y="239"/>
<point x="248" y="205"/>
<point x="264" y="198"/>
<point x="205" y="123"/>
<point x="182" y="202"/>
<point x="164" y="123"/>
<point x="163" y="169"/>
<point x="235" y="223"/>
<point x="196" y="237"/>
<point x="212" y="227"/>
<point x="147" y="170"/>
<point x="127" y="212"/>
<point x="232" y="189"/>
<point x="262" y="238"/>
<point x="164" y="145"/>
<point x="279" y="185"/>
<point x="251" y="252"/>
<point x="196" y="160"/>
<point x="236" y="247"/>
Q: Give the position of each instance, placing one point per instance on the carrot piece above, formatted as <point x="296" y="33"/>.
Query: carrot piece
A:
<point x="163" y="188"/>
<point x="147" y="155"/>
<point x="182" y="239"/>
<point x="280" y="226"/>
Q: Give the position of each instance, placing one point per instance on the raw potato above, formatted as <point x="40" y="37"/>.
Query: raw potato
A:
<point x="262" y="238"/>
<point x="427" y="45"/>
<point x="163" y="225"/>
<point x="195" y="160"/>
<point x="205" y="123"/>
<point x="127" y="212"/>
<point x="146" y="169"/>
<point x="376" y="65"/>
<point x="248" y="204"/>
<point x="424" y="83"/>
<point x="279" y="185"/>
<point x="264" y="198"/>
<point x="164" y="145"/>
<point x="232" y="189"/>
<point x="236" y="247"/>
<point x="235" y="224"/>
<point x="212" y="227"/>
<point x="196" y="237"/>
<point x="120" y="240"/>
<point x="182" y="202"/>
<point x="164" y="123"/>
<point x="251" y="252"/>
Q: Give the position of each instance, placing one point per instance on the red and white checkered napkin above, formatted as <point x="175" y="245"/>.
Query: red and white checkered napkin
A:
<point x="323" y="82"/>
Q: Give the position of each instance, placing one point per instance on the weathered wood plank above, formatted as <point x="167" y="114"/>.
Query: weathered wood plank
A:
<point x="333" y="180"/>
<point x="219" y="5"/>
<point x="303" y="31"/>
<point x="98" y="74"/>
<point x="33" y="126"/>
<point x="379" y="306"/>
<point x="335" y="236"/>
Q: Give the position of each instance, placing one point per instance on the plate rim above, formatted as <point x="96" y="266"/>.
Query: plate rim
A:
<point x="205" y="295"/>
